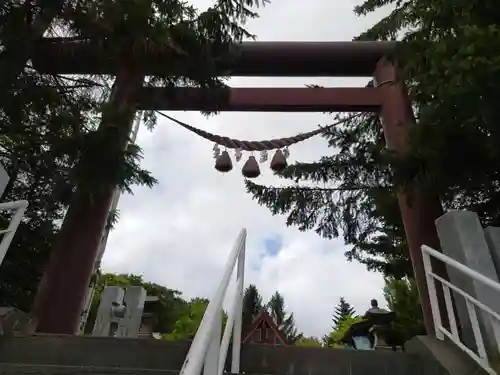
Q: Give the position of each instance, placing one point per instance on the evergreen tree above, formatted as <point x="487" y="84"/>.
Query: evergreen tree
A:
<point x="49" y="137"/>
<point x="252" y="305"/>
<point x="449" y="60"/>
<point x="286" y="324"/>
<point x="343" y="311"/>
<point x="361" y="203"/>
<point x="199" y="42"/>
<point x="46" y="122"/>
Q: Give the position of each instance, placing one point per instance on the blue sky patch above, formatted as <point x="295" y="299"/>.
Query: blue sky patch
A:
<point x="273" y="245"/>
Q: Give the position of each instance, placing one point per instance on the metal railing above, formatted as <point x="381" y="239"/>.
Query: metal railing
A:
<point x="207" y="351"/>
<point x="19" y="207"/>
<point x="472" y="304"/>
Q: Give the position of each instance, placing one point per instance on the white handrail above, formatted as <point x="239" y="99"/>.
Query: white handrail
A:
<point x="462" y="268"/>
<point x="20" y="208"/>
<point x="472" y="303"/>
<point x="206" y="349"/>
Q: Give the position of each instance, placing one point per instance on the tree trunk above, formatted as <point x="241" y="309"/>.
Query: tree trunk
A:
<point x="61" y="296"/>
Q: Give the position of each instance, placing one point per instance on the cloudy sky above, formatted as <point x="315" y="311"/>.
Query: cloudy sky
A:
<point x="180" y="233"/>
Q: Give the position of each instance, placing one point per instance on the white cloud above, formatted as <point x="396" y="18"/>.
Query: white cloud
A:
<point x="180" y="233"/>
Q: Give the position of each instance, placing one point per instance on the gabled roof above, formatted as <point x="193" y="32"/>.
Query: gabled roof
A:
<point x="264" y="316"/>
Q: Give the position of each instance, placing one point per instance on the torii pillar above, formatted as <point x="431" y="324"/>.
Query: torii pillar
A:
<point x="418" y="212"/>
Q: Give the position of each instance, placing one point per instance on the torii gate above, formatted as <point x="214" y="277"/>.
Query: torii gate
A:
<point x="62" y="292"/>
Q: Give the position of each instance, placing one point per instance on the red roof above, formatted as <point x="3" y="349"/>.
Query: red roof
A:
<point x="263" y="317"/>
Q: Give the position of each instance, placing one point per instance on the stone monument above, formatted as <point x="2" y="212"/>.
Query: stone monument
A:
<point x="120" y="312"/>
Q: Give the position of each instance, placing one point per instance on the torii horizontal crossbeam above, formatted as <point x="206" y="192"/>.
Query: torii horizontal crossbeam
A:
<point x="252" y="59"/>
<point x="363" y="99"/>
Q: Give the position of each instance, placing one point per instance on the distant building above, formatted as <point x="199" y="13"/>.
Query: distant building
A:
<point x="149" y="317"/>
<point x="263" y="330"/>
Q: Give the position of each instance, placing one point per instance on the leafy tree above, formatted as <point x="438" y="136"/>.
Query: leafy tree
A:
<point x="334" y="339"/>
<point x="252" y="305"/>
<point x="402" y="298"/>
<point x="342" y="311"/>
<point x="286" y="324"/>
<point x="186" y="326"/>
<point x="309" y="342"/>
<point x="171" y="307"/>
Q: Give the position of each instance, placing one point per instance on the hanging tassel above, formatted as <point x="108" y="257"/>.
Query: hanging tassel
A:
<point x="251" y="168"/>
<point x="278" y="163"/>
<point x="223" y="162"/>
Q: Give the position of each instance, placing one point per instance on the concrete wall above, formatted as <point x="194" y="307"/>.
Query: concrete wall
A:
<point x="43" y="353"/>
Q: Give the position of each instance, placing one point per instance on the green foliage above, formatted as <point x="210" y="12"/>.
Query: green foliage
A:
<point x="309" y="342"/>
<point x="342" y="312"/>
<point x="402" y="298"/>
<point x="252" y="305"/>
<point x="46" y="123"/>
<point x="348" y="193"/>
<point x="50" y="141"/>
<point x="334" y="339"/>
<point x="186" y="326"/>
<point x="40" y="128"/>
<point x="285" y="322"/>
<point x="171" y="306"/>
<point x="451" y="66"/>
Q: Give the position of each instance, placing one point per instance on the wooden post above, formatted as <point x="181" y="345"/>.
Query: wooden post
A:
<point x="62" y="291"/>
<point x="419" y="213"/>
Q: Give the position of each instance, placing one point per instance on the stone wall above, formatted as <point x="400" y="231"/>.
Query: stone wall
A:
<point x="51" y="355"/>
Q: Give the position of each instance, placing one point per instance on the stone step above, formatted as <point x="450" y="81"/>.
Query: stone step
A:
<point x="69" y="355"/>
<point x="23" y="369"/>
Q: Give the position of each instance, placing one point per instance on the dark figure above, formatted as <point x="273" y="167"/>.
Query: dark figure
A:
<point x="374" y="309"/>
<point x="382" y="323"/>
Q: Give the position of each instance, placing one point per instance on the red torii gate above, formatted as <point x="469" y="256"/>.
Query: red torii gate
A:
<point x="71" y="269"/>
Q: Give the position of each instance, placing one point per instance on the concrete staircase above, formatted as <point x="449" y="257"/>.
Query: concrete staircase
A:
<point x="77" y="355"/>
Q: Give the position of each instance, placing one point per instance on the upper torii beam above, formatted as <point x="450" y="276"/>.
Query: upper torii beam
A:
<point x="251" y="59"/>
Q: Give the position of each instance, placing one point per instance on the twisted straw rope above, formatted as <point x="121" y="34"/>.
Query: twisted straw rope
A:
<point x="256" y="145"/>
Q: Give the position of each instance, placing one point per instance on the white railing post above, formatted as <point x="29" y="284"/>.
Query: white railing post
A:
<point x="211" y="366"/>
<point x="478" y="337"/>
<point x="431" y="286"/>
<point x="224" y="346"/>
<point x="238" y="318"/>
<point x="450" y="311"/>
<point x="208" y="337"/>
<point x="20" y="207"/>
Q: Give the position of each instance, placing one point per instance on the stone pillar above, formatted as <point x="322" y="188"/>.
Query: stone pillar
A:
<point x="462" y="238"/>
<point x="4" y="179"/>
<point x="120" y="312"/>
<point x="492" y="235"/>
<point x="135" y="297"/>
